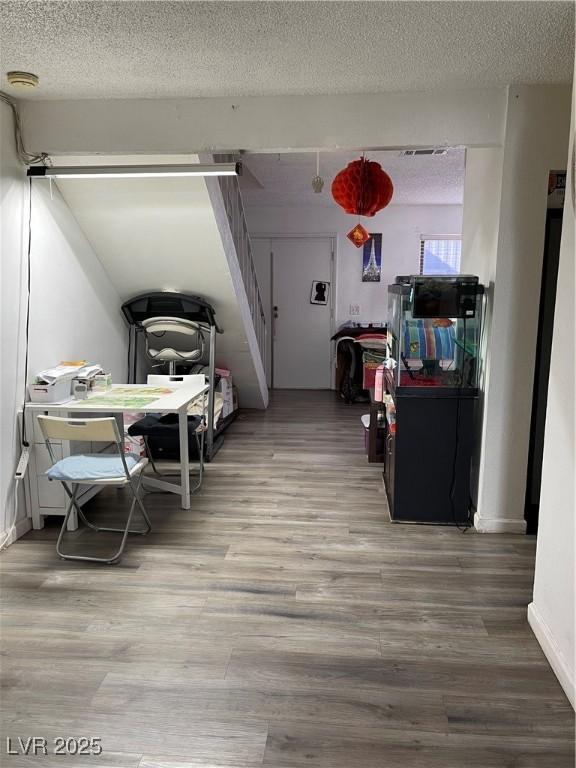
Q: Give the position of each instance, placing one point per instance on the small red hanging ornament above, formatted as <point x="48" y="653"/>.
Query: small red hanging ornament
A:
<point x="358" y="236"/>
<point x="362" y="188"/>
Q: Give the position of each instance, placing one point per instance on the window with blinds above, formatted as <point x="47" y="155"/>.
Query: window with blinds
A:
<point x="440" y="256"/>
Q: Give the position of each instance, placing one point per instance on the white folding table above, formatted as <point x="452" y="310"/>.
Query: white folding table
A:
<point x="133" y="398"/>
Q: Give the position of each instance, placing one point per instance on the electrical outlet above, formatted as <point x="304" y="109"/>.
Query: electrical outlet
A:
<point x="354" y="309"/>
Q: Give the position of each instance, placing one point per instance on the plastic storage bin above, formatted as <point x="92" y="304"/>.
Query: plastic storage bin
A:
<point x="57" y="392"/>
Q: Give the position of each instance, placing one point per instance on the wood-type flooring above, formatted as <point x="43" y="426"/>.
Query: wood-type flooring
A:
<point x="281" y="622"/>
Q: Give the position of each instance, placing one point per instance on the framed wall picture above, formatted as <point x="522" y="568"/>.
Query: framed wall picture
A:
<point x="372" y="258"/>
<point x="320" y="292"/>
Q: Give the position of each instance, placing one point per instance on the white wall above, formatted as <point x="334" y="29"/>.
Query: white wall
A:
<point x="551" y="614"/>
<point x="75" y="309"/>
<point x="13" y="196"/>
<point x="536" y="141"/>
<point x="480" y="227"/>
<point x="401" y="227"/>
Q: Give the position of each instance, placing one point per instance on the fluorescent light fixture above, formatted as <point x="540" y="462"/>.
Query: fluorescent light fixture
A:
<point x="133" y="171"/>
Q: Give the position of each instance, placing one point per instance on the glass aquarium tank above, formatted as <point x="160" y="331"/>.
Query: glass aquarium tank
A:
<point x="434" y="332"/>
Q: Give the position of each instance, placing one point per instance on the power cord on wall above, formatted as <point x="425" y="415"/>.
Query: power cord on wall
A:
<point x="25" y="442"/>
<point x="28" y="158"/>
<point x="129" y="360"/>
<point x="481" y="374"/>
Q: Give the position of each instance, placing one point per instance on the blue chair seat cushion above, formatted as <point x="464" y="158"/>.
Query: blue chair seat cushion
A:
<point x="157" y="425"/>
<point x="92" y="466"/>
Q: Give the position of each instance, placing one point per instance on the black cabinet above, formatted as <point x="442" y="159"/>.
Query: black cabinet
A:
<point x="428" y="459"/>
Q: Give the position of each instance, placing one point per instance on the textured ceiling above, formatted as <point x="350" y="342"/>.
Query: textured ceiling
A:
<point x="286" y="178"/>
<point x="186" y="49"/>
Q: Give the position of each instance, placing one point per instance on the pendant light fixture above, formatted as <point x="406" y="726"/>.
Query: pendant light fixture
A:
<point x="317" y="181"/>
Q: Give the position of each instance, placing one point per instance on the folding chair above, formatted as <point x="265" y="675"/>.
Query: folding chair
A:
<point x="115" y="469"/>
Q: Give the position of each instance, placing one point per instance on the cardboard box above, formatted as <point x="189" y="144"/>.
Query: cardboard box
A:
<point x="226" y="390"/>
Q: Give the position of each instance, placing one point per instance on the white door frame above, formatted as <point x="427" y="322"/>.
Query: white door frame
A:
<point x="333" y="238"/>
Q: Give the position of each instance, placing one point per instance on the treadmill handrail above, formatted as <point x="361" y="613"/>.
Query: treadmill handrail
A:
<point x="209" y="319"/>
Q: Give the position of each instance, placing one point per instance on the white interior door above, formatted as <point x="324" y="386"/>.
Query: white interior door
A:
<point x="301" y="330"/>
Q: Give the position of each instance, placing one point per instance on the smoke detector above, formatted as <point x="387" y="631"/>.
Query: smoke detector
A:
<point x="22" y="79"/>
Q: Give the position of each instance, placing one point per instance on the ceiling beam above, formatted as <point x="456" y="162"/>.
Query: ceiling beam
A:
<point x="277" y="123"/>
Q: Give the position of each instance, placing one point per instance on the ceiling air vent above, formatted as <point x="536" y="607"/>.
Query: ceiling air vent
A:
<point x="419" y="152"/>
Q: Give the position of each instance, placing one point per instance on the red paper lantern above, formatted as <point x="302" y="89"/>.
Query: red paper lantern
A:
<point x="362" y="188"/>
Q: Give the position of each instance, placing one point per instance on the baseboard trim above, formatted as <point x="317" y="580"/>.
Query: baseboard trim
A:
<point x="21" y="527"/>
<point x="555" y="657"/>
<point x="498" y="524"/>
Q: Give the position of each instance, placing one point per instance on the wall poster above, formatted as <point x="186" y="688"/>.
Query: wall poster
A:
<point x="372" y="258"/>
